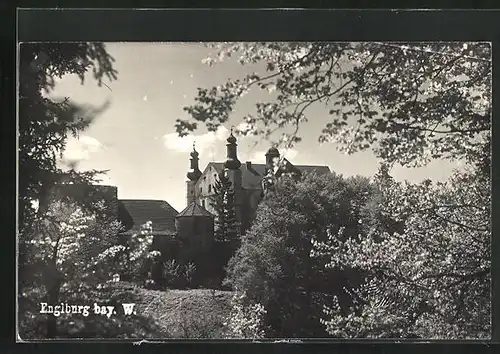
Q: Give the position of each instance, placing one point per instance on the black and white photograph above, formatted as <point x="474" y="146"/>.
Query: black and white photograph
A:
<point x="254" y="190"/>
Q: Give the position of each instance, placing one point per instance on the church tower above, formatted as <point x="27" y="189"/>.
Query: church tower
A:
<point x="193" y="175"/>
<point x="233" y="173"/>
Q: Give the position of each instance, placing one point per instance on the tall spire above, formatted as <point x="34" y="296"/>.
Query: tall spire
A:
<point x="194" y="172"/>
<point x="232" y="161"/>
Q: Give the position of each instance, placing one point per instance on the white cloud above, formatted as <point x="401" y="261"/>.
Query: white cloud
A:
<point x="205" y="143"/>
<point x="260" y="156"/>
<point x="79" y="149"/>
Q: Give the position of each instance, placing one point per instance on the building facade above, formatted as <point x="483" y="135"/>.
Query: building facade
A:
<point x="247" y="180"/>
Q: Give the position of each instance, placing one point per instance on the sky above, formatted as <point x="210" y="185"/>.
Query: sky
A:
<point x="135" y="139"/>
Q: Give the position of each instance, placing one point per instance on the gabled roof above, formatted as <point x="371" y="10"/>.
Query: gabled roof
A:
<point x="194" y="209"/>
<point x="252" y="175"/>
<point x="159" y="212"/>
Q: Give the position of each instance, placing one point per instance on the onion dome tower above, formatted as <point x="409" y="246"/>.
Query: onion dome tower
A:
<point x="193" y="175"/>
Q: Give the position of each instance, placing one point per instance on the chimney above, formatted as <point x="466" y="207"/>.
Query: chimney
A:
<point x="251" y="169"/>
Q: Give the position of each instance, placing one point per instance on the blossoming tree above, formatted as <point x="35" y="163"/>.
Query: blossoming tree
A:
<point x="431" y="280"/>
<point x="72" y="250"/>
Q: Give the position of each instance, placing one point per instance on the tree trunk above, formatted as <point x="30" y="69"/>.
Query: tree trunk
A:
<point x="53" y="282"/>
<point x="53" y="299"/>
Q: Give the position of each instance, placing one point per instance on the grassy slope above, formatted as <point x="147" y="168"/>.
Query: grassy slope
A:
<point x="196" y="313"/>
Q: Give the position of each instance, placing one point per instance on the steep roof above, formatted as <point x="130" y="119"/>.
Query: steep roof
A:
<point x="159" y="212"/>
<point x="194" y="209"/>
<point x="252" y="175"/>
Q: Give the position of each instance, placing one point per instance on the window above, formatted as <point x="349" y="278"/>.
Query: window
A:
<point x="201" y="190"/>
<point x="209" y="188"/>
<point x="203" y="202"/>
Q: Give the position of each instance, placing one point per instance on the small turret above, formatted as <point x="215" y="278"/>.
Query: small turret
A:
<point x="232" y="162"/>
<point x="194" y="172"/>
<point x="193" y="176"/>
<point x="272" y="156"/>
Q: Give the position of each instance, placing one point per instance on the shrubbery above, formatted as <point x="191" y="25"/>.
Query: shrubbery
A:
<point x="429" y="280"/>
<point x="170" y="274"/>
<point x="246" y="318"/>
<point x="273" y="266"/>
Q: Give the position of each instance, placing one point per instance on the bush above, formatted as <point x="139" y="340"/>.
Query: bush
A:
<point x="273" y="265"/>
<point x="245" y="319"/>
<point x="172" y="274"/>
<point x="432" y="278"/>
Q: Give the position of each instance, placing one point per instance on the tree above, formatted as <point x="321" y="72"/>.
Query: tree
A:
<point x="45" y="123"/>
<point x="73" y="251"/>
<point x="68" y="248"/>
<point x="431" y="279"/>
<point x="223" y="203"/>
<point x="273" y="266"/>
<point x="409" y="102"/>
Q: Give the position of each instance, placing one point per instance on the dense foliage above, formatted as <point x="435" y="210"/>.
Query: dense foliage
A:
<point x="409" y="102"/>
<point x="273" y="265"/>
<point x="45" y="123"/>
<point x="431" y="279"/>
<point x="245" y="319"/>
<point x="67" y="245"/>
<point x="74" y="252"/>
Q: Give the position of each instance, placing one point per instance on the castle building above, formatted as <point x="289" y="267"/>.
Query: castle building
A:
<point x="192" y="229"/>
<point x="248" y="180"/>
